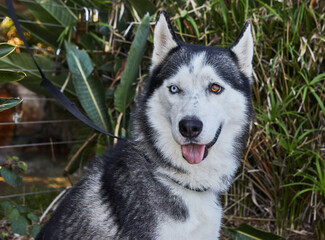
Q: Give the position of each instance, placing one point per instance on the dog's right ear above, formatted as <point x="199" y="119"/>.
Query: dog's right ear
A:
<point x="164" y="39"/>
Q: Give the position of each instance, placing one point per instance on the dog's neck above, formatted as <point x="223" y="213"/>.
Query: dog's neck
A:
<point x="186" y="186"/>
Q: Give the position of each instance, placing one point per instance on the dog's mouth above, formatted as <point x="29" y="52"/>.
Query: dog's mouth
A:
<point x="196" y="153"/>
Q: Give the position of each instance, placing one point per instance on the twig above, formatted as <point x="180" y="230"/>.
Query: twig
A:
<point x="52" y="203"/>
<point x="117" y="127"/>
<point x="78" y="152"/>
<point x="66" y="82"/>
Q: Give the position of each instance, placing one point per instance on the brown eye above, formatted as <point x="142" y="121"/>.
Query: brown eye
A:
<point x="215" y="88"/>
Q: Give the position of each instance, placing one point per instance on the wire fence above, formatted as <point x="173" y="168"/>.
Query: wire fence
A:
<point x="36" y="129"/>
<point x="39" y="144"/>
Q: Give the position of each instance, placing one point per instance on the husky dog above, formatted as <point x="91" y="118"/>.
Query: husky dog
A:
<point x="189" y="127"/>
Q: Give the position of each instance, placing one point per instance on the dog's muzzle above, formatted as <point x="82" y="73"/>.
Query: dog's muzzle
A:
<point x="195" y="153"/>
<point x="210" y="144"/>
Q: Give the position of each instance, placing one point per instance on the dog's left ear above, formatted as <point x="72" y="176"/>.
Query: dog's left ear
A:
<point x="164" y="39"/>
<point x="243" y="48"/>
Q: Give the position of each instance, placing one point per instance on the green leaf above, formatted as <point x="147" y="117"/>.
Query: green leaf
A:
<point x="79" y="61"/>
<point x="191" y="20"/>
<point x="143" y="6"/>
<point x="5" y="205"/>
<point x="89" y="89"/>
<point x="20" y="226"/>
<point x="98" y="39"/>
<point x="272" y="10"/>
<point x="23" y="166"/>
<point x="12" y="159"/>
<point x="246" y="232"/>
<point x="184" y="13"/>
<point x="122" y="96"/>
<point x="10" y="177"/>
<point x="6" y="49"/>
<point x="36" y="228"/>
<point x="32" y="217"/>
<point x="100" y="149"/>
<point x="179" y="25"/>
<point x="11" y="76"/>
<point x="45" y="34"/>
<point x="22" y="209"/>
<point x="319" y="100"/>
<point x="230" y="232"/>
<point x="13" y="215"/>
<point x="33" y="79"/>
<point x="7" y="103"/>
<point x="59" y="11"/>
<point x="318" y="78"/>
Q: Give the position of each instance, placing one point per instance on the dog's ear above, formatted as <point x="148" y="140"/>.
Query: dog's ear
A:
<point x="164" y="39"/>
<point x="243" y="48"/>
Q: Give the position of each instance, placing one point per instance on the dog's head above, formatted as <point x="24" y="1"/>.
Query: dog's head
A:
<point x="198" y="100"/>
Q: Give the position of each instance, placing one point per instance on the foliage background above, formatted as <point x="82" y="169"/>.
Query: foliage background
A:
<point x="280" y="186"/>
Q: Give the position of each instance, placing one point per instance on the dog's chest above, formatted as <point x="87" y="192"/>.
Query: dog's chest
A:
<point x="203" y="221"/>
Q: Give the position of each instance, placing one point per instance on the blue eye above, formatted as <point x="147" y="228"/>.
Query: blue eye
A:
<point x="174" y="89"/>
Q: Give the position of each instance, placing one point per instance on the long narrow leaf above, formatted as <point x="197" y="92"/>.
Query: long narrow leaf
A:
<point x="59" y="11"/>
<point x="7" y="103"/>
<point x="6" y="49"/>
<point x="271" y="10"/>
<point x="36" y="30"/>
<point x="23" y="62"/>
<point x="89" y="89"/>
<point x="143" y="6"/>
<point x="246" y="232"/>
<point x="320" y="102"/>
<point x="122" y="96"/>
<point x="191" y="20"/>
<point x="318" y="78"/>
<point x="11" y="76"/>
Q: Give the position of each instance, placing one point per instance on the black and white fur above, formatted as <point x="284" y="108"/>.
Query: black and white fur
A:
<point x="146" y="187"/>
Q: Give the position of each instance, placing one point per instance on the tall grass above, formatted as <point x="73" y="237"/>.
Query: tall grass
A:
<point x="282" y="175"/>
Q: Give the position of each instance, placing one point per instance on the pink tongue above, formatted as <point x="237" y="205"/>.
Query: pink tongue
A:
<point x="193" y="153"/>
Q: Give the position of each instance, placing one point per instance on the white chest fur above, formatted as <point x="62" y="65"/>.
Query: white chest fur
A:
<point x="203" y="222"/>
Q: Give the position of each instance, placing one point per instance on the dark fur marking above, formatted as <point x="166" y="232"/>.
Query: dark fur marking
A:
<point x="140" y="189"/>
<point x="241" y="34"/>
<point x="170" y="28"/>
<point x="186" y="186"/>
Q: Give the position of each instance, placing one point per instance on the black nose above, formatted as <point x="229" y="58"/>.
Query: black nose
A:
<point x="190" y="128"/>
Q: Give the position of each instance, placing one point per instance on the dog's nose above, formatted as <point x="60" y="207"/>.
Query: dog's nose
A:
<point x="190" y="128"/>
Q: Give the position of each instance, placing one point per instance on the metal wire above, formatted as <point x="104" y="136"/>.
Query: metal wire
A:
<point x="33" y="70"/>
<point x="37" y="48"/>
<point x="52" y="5"/>
<point x="88" y="51"/>
<point x="30" y="193"/>
<point x="40" y="144"/>
<point x="37" y="23"/>
<point x="37" y="122"/>
<point x="57" y="5"/>
<point x="38" y="99"/>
